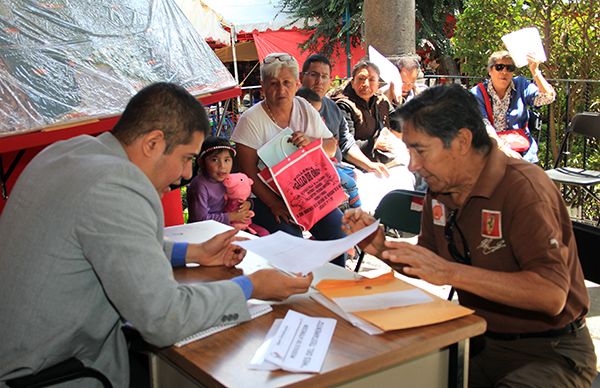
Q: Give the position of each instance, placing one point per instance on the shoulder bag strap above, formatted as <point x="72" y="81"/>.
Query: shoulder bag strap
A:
<point x="488" y="103"/>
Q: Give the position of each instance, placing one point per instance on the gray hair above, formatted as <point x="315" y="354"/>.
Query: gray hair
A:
<point x="274" y="62"/>
<point x="496" y="56"/>
<point x="408" y="62"/>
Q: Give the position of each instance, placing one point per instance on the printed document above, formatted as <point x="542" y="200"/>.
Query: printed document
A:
<point x="301" y="256"/>
<point x="298" y="343"/>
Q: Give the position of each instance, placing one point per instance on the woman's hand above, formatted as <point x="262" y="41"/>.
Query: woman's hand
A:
<point x="280" y="211"/>
<point x="378" y="168"/>
<point x="533" y="63"/>
<point x="245" y="206"/>
<point x="244" y="216"/>
<point x="299" y="139"/>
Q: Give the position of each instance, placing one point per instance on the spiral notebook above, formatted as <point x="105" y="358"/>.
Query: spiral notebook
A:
<point x="256" y="310"/>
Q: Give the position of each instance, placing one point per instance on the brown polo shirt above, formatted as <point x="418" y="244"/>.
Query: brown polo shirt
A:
<point x="513" y="220"/>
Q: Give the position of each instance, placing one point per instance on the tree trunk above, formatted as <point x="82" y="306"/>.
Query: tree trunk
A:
<point x="390" y="26"/>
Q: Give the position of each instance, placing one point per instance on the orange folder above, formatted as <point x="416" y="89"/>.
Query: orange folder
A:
<point x="439" y="310"/>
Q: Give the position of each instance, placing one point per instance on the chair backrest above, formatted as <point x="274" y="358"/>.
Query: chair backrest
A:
<point x="586" y="124"/>
<point x="587" y="238"/>
<point x="399" y="209"/>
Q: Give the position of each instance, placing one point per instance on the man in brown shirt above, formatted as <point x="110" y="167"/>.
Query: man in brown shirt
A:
<point x="497" y="230"/>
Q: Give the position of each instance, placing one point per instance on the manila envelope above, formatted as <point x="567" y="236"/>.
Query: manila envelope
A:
<point x="439" y="310"/>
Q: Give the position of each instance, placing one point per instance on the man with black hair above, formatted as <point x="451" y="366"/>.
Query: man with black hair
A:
<point x="497" y="230"/>
<point x="82" y="246"/>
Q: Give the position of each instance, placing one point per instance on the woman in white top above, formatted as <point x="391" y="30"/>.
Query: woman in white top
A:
<point x="281" y="109"/>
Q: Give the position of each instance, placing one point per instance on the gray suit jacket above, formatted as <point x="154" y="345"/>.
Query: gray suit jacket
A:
<point x="81" y="250"/>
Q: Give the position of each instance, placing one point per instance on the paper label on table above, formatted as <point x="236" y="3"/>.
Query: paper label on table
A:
<point x="382" y="301"/>
<point x="301" y="342"/>
<point x="522" y="42"/>
<point x="298" y="255"/>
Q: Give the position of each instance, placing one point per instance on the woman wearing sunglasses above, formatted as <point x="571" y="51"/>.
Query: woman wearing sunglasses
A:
<point x="503" y="101"/>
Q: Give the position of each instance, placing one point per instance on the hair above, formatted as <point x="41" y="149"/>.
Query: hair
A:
<point x="496" y="56"/>
<point x="408" y="62"/>
<point x="270" y="70"/>
<point x="441" y="111"/>
<point x="364" y="64"/>
<point x="308" y="94"/>
<point x="315" y="58"/>
<point x="213" y="145"/>
<point x="166" y="107"/>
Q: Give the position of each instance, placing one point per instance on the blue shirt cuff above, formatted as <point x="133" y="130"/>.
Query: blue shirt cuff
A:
<point x="178" y="254"/>
<point x="245" y="284"/>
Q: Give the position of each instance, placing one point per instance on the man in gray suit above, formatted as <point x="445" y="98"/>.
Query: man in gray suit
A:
<point x="82" y="248"/>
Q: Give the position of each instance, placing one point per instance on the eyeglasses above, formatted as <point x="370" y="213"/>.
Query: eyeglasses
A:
<point x="315" y="75"/>
<point x="279" y="57"/>
<point x="449" y="234"/>
<point x="501" y="66"/>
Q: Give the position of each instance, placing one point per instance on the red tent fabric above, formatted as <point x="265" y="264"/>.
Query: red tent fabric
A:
<point x="287" y="41"/>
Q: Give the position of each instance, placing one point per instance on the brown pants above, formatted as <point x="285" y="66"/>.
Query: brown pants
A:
<point x="565" y="361"/>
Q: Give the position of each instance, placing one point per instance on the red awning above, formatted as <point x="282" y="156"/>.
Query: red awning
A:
<point x="283" y="41"/>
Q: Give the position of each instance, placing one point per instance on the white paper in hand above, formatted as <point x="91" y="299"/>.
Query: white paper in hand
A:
<point x="388" y="71"/>
<point x="522" y="42"/>
<point x="298" y="255"/>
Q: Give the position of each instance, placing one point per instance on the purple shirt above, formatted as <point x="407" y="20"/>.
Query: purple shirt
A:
<point x="206" y="200"/>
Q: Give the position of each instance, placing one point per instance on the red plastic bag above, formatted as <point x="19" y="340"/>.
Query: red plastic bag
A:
<point x="516" y="138"/>
<point x="308" y="184"/>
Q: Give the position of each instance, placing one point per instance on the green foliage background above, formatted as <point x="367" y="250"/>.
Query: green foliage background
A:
<point x="570" y="33"/>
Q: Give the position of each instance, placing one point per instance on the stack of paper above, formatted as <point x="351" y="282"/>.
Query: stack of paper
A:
<point x="297" y="343"/>
<point x="389" y="303"/>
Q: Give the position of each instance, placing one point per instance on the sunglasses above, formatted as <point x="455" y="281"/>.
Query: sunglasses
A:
<point x="451" y="225"/>
<point x="279" y="57"/>
<point x="501" y="66"/>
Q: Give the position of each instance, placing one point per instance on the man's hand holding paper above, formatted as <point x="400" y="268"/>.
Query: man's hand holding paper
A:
<point x="301" y="256"/>
<point x="357" y="219"/>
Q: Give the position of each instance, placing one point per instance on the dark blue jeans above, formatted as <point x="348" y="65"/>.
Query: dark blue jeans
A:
<point x="328" y="228"/>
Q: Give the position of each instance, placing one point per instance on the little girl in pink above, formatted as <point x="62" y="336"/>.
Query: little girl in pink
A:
<point x="206" y="194"/>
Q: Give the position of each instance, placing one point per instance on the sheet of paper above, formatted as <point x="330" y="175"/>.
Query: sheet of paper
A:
<point x="522" y="42"/>
<point x="377" y="187"/>
<point x="388" y="71"/>
<point x="301" y="342"/>
<point x="382" y="301"/>
<point x="353" y="319"/>
<point x="298" y="255"/>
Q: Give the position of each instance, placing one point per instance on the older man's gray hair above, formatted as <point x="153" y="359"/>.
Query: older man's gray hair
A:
<point x="408" y="62"/>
